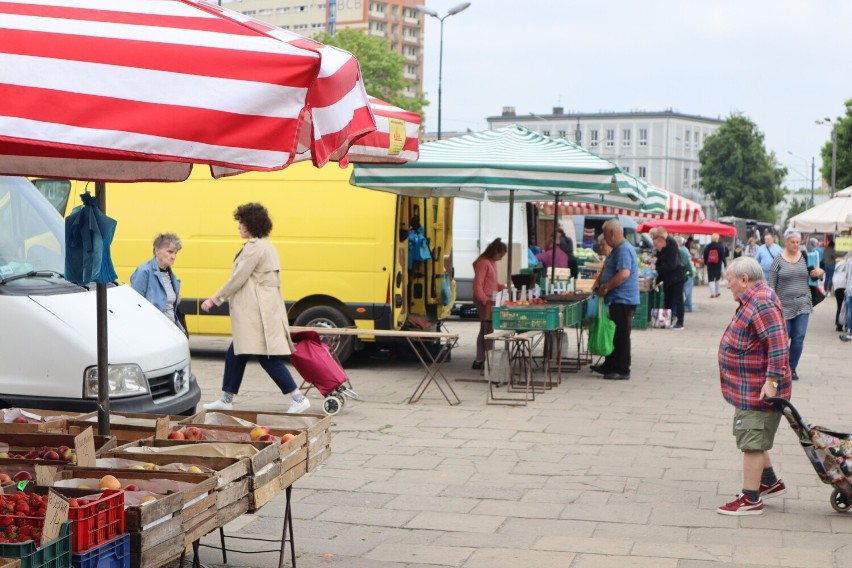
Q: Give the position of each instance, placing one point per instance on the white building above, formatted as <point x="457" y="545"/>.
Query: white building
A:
<point x="660" y="147"/>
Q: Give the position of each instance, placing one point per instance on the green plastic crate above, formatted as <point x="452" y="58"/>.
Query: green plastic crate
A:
<point x="574" y="313"/>
<point x="545" y="318"/>
<point x="54" y="554"/>
<point x="642" y="314"/>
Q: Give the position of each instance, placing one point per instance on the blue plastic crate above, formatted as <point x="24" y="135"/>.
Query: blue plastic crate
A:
<point x="112" y="554"/>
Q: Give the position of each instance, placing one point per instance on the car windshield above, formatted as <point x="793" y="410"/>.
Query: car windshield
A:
<point x="31" y="232"/>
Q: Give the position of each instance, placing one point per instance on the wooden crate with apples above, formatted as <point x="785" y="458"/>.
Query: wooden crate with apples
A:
<point x="126" y="426"/>
<point x="177" y="508"/>
<point x="43" y="447"/>
<point x="232" y="475"/>
<point x="267" y="481"/>
<point x="317" y="427"/>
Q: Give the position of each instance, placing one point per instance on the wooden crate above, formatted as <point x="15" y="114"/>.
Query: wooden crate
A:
<point x="276" y="477"/>
<point x="19" y="442"/>
<point x="317" y="427"/>
<point x="10" y="563"/>
<point x="161" y="530"/>
<point x="266" y="452"/>
<point x="124" y="426"/>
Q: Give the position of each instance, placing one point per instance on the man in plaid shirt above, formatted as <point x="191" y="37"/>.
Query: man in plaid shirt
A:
<point x="753" y="364"/>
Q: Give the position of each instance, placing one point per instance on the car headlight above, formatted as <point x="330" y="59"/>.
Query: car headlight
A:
<point x="124" y="380"/>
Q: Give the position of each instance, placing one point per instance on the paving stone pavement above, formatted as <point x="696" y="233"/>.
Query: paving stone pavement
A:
<point x="592" y="474"/>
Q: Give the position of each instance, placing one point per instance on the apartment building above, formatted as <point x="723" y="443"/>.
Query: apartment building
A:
<point x="659" y="147"/>
<point x="395" y="20"/>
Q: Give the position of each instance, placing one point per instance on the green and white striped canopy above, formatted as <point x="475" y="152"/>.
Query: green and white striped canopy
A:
<point x="511" y="162"/>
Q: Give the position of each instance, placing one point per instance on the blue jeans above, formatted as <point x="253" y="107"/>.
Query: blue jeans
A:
<point x="687" y="293"/>
<point x="235" y="368"/>
<point x="796" y="328"/>
<point x="848" y="301"/>
<point x="829" y="275"/>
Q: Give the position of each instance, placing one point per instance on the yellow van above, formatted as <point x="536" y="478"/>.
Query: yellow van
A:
<point x="344" y="249"/>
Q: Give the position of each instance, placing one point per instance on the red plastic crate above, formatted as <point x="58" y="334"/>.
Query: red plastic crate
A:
<point x="97" y="521"/>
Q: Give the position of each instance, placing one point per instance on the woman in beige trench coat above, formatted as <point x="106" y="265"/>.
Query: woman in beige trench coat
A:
<point x="258" y="318"/>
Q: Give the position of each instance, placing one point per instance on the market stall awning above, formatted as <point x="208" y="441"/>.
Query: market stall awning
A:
<point x="683" y="228"/>
<point x="677" y="208"/>
<point x="512" y="162"/>
<point x="833" y="216"/>
<point x="135" y="90"/>
<point x="396" y="139"/>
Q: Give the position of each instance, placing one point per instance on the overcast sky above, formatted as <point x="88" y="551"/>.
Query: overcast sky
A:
<point x="782" y="63"/>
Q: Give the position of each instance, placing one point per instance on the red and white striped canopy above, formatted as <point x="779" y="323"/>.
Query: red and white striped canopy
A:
<point x="396" y="139"/>
<point x="677" y="208"/>
<point x="130" y="90"/>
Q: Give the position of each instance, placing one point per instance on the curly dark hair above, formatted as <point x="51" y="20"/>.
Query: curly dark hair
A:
<point x="256" y="219"/>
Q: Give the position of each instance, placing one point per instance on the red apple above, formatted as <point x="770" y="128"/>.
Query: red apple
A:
<point x="192" y="433"/>
<point x="23" y="476"/>
<point x="266" y="438"/>
<point x="21" y="420"/>
<point x="257" y="432"/>
<point x="132" y="487"/>
<point x="31" y="455"/>
<point x="287" y="437"/>
<point x="51" y="455"/>
<point x="176" y="436"/>
<point x="66" y="453"/>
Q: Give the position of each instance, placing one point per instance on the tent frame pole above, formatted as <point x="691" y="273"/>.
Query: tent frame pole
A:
<point x="102" y="335"/>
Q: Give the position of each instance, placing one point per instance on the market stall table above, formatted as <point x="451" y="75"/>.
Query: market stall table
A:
<point x="419" y="342"/>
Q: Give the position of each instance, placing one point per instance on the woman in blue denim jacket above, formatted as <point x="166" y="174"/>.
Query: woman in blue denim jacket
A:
<point x="156" y="281"/>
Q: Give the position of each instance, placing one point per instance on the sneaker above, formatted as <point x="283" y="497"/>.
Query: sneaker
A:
<point x="741" y="506"/>
<point x="777" y="489"/>
<point x="299" y="407"/>
<point x="795" y="375"/>
<point x="677" y="326"/>
<point x="218" y="405"/>
<point x="599" y="369"/>
<point x="617" y="376"/>
<point x="845" y="337"/>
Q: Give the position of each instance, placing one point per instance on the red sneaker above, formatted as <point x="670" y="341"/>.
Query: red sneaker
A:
<point x="741" y="506"/>
<point x="775" y="490"/>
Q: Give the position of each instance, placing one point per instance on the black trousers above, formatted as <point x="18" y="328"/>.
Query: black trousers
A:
<point x="619" y="360"/>
<point x="674" y="301"/>
<point x="840" y="297"/>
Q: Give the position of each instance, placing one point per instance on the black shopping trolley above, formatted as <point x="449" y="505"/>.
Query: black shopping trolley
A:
<point x="830" y="453"/>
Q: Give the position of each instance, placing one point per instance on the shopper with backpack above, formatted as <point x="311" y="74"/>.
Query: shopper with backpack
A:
<point x="715" y="261"/>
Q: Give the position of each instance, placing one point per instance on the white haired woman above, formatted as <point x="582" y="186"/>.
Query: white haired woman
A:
<point x="789" y="276"/>
<point x="156" y="281"/>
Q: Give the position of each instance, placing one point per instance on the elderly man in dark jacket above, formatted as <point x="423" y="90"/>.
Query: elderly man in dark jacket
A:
<point x="671" y="272"/>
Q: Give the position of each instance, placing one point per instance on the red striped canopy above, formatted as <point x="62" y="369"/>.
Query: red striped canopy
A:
<point x="396" y="139"/>
<point x="683" y="228"/>
<point x="131" y="90"/>
<point x="677" y="208"/>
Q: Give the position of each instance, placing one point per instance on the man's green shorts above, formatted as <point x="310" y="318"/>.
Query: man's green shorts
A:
<point x="755" y="429"/>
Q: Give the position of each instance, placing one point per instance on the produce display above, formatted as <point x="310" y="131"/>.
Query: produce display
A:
<point x="21" y="517"/>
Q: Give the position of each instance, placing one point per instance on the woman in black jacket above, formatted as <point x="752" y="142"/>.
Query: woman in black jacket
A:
<point x="715" y="260"/>
<point x="671" y="272"/>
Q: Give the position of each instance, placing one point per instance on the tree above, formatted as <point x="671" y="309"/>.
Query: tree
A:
<point x="380" y="66"/>
<point x="843" y="167"/>
<point x="737" y="172"/>
<point x="798" y="205"/>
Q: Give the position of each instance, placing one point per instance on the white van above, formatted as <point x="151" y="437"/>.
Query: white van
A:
<point x="48" y="340"/>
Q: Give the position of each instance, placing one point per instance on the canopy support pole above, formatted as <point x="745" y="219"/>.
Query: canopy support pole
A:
<point x="554" y="244"/>
<point x="103" y="350"/>
<point x="511" y="224"/>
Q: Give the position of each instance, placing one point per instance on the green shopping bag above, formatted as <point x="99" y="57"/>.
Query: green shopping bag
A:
<point x="602" y="333"/>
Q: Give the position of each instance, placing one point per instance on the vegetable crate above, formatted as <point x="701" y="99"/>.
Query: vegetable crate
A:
<point x="98" y="521"/>
<point x="112" y="554"/>
<point x="574" y="311"/>
<point x="546" y="318"/>
<point x="642" y="314"/>
<point x="54" y="554"/>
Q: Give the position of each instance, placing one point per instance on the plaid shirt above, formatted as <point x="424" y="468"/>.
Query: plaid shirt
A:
<point x="754" y="349"/>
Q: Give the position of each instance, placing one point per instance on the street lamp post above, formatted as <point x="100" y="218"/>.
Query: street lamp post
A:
<point x="451" y="12"/>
